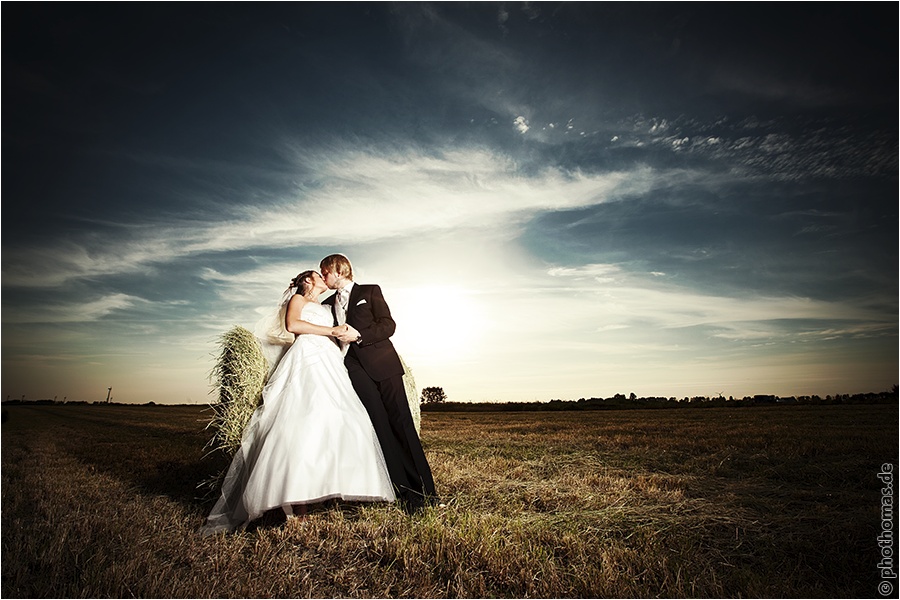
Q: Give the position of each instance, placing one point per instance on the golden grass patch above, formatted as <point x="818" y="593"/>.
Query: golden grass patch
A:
<point x="101" y="501"/>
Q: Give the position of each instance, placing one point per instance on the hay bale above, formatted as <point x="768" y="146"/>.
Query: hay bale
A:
<point x="412" y="396"/>
<point x="240" y="373"/>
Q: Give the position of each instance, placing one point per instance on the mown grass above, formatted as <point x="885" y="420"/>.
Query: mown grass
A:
<point x="101" y="501"/>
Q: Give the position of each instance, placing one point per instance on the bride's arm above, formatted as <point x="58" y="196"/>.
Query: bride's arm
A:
<point x="297" y="326"/>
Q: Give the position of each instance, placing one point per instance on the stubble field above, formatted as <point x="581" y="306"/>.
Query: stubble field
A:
<point x="101" y="501"/>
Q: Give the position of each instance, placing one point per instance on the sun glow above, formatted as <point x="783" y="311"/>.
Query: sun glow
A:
<point x="436" y="325"/>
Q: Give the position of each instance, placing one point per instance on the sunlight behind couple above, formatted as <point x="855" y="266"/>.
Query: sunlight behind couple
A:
<point x="436" y="324"/>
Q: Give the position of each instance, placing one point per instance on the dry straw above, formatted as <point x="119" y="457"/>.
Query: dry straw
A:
<point x="240" y="373"/>
<point x="412" y="395"/>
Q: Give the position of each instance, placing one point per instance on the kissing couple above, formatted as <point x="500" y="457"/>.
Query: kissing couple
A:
<point x="334" y="420"/>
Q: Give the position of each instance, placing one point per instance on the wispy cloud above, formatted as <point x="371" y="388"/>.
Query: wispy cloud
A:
<point x="69" y="311"/>
<point x="609" y="295"/>
<point x="356" y="195"/>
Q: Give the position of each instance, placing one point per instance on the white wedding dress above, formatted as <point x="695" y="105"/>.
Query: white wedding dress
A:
<point x="309" y="441"/>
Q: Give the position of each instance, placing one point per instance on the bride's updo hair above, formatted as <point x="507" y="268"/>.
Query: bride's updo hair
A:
<point x="303" y="282"/>
<point x="337" y="264"/>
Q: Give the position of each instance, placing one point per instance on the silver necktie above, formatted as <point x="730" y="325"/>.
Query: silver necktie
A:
<point x="340" y="306"/>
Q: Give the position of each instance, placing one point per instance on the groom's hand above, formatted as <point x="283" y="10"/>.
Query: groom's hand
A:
<point x="349" y="336"/>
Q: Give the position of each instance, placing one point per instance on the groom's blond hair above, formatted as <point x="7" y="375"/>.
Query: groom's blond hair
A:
<point x="337" y="264"/>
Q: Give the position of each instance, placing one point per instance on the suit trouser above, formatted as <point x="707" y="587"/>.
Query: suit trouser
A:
<point x="388" y="408"/>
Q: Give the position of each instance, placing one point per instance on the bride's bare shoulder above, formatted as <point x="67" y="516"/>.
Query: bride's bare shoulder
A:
<point x="296" y="304"/>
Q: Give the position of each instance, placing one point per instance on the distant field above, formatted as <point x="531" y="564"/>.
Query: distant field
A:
<point x="101" y="501"/>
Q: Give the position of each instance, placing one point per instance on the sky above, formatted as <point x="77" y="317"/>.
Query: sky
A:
<point x="559" y="200"/>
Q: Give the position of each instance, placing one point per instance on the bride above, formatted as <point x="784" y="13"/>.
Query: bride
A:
<point x="311" y="438"/>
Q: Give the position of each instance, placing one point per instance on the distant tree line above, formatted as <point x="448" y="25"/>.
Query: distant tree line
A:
<point x="622" y="402"/>
<point x="434" y="399"/>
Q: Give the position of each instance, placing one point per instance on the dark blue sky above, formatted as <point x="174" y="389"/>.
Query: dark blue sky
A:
<point x="670" y="199"/>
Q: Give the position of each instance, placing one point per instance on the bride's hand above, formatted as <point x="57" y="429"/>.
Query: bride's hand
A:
<point x="336" y="331"/>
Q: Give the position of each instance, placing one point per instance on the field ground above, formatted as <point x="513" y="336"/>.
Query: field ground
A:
<point x="102" y="501"/>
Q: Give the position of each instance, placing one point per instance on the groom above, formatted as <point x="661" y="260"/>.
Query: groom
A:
<point x="377" y="376"/>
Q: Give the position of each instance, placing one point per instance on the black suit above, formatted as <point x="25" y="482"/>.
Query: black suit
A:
<point x="377" y="376"/>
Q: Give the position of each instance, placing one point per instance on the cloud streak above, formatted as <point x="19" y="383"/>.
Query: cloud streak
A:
<point x="406" y="194"/>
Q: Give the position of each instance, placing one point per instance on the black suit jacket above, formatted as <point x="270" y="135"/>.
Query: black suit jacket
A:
<point x="368" y="313"/>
